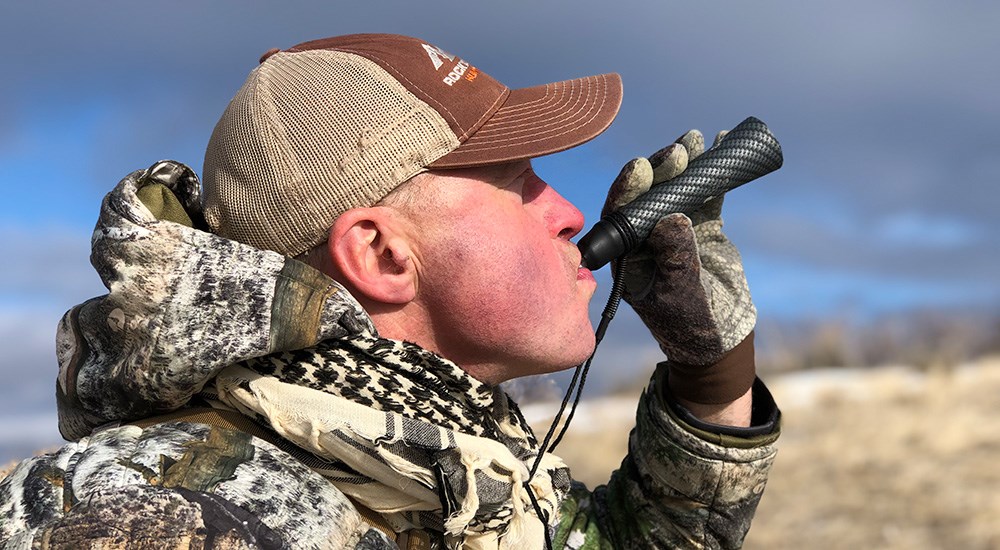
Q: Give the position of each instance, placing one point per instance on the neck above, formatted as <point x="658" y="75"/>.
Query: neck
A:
<point x="412" y="323"/>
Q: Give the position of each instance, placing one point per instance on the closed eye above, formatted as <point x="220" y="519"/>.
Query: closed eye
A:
<point x="532" y="187"/>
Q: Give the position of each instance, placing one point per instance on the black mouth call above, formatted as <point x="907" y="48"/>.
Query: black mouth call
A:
<point x="746" y="153"/>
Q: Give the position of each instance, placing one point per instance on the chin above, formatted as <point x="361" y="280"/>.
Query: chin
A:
<point x="581" y="351"/>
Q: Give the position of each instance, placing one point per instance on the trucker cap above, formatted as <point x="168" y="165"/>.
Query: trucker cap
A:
<point x="337" y="123"/>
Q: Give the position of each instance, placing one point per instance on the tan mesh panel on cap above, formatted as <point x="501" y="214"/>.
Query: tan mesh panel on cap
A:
<point x="309" y="136"/>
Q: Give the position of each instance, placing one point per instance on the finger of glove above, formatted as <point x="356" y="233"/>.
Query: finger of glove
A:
<point x="634" y="179"/>
<point x="694" y="142"/>
<point x="719" y="136"/>
<point x="668" y="162"/>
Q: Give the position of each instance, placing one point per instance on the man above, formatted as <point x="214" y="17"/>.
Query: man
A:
<point x="225" y="394"/>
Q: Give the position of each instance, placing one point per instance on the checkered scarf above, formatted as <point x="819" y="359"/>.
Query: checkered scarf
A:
<point x="406" y="433"/>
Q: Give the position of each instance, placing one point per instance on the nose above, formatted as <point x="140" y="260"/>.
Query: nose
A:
<point x="561" y="218"/>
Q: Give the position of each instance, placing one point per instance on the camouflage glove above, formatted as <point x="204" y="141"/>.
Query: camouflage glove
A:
<point x="686" y="282"/>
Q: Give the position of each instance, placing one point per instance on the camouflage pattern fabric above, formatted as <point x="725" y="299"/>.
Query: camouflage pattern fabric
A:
<point x="674" y="489"/>
<point x="177" y="485"/>
<point x="183" y="305"/>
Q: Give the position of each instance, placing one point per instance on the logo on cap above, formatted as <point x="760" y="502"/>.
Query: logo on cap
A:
<point x="436" y="54"/>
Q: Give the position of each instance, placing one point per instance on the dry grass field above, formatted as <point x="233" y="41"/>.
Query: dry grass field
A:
<point x="886" y="458"/>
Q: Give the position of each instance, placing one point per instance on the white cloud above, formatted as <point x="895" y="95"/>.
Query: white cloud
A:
<point x="927" y="230"/>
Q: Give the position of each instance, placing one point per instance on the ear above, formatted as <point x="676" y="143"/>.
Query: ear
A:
<point x="370" y="250"/>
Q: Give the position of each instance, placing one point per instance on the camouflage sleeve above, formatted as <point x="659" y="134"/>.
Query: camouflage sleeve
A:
<point x="680" y="486"/>
<point x="177" y="485"/>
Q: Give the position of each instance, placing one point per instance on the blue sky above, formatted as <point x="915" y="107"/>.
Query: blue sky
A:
<point x="887" y="113"/>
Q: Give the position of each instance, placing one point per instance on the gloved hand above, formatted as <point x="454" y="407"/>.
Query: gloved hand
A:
<point x="687" y="284"/>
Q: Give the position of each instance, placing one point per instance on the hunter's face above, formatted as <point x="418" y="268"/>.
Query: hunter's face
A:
<point x="498" y="273"/>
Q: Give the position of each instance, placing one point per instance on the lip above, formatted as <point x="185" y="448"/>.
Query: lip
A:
<point x="584" y="274"/>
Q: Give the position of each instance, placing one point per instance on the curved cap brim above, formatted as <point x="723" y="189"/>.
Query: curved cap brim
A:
<point x="541" y="120"/>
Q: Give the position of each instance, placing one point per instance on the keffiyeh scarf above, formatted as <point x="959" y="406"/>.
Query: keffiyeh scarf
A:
<point x="407" y="434"/>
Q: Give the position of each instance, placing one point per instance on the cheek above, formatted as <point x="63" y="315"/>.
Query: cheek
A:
<point x="501" y="274"/>
<point x="501" y="266"/>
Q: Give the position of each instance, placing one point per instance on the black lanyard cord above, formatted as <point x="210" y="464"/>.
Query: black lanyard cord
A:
<point x="579" y="375"/>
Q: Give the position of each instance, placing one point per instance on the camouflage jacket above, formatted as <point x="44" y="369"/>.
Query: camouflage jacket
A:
<point x="183" y="304"/>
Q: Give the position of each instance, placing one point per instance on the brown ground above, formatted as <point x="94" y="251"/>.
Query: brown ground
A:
<point x="884" y="458"/>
